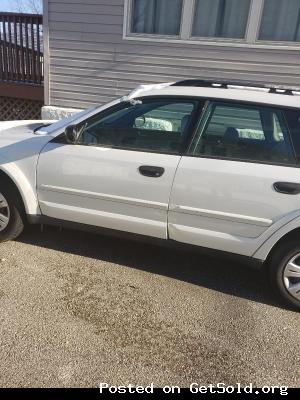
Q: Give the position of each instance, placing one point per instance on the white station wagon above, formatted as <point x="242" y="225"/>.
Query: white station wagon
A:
<point x="213" y="165"/>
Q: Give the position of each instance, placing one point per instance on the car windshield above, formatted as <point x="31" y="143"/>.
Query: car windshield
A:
<point x="73" y="119"/>
<point x="65" y="121"/>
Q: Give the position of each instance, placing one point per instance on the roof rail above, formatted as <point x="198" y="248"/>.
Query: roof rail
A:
<point x="223" y="84"/>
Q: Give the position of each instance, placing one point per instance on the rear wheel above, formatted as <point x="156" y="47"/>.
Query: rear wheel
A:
<point x="284" y="272"/>
<point x="11" y="214"/>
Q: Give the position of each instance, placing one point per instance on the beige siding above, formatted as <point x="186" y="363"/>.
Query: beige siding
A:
<point x="90" y="63"/>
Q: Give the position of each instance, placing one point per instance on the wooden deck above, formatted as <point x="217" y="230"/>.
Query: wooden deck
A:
<point x="21" y="64"/>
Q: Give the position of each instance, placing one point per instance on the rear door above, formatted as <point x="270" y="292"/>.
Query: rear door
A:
<point x="229" y="190"/>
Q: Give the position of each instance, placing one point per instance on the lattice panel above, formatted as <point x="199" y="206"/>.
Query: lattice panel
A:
<point x="12" y="109"/>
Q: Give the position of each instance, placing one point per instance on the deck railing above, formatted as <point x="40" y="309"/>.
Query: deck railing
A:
<point x="21" y="48"/>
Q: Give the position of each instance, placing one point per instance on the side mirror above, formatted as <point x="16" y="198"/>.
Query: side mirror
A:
<point x="72" y="133"/>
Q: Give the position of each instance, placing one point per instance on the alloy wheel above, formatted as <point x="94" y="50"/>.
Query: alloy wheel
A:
<point x="4" y="213"/>
<point x="291" y="276"/>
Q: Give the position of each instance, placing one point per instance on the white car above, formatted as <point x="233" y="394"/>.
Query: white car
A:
<point x="194" y="163"/>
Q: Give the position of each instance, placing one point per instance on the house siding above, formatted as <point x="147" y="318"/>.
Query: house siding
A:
<point x="91" y="63"/>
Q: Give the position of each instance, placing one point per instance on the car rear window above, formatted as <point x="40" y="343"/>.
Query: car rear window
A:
<point x="245" y="133"/>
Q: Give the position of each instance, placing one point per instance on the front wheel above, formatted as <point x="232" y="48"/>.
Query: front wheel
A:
<point x="11" y="214"/>
<point x="284" y="273"/>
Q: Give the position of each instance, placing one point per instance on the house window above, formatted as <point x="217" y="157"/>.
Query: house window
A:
<point x="281" y="21"/>
<point x="157" y="17"/>
<point x="221" y="18"/>
<point x="242" y="22"/>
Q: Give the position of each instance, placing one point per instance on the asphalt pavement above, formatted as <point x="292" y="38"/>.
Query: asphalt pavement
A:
<point x="78" y="309"/>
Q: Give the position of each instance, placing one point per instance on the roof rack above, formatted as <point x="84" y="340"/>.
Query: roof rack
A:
<point x="224" y="84"/>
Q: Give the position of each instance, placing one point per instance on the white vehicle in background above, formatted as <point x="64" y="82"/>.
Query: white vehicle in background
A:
<point x="212" y="165"/>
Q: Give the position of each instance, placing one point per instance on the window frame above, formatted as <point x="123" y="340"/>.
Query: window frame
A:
<point x="187" y="20"/>
<point x="237" y="103"/>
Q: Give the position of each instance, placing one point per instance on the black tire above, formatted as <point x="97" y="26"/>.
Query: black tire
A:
<point x="277" y="264"/>
<point x="16" y="213"/>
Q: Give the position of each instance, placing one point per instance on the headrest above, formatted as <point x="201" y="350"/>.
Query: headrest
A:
<point x="231" y="134"/>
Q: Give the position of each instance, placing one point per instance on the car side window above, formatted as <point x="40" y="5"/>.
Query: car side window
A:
<point x="156" y="126"/>
<point x="293" y="119"/>
<point x="244" y="133"/>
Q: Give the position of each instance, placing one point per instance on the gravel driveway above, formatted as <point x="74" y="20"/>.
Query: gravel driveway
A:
<point x="78" y="309"/>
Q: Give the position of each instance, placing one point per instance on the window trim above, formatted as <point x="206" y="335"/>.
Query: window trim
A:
<point x="251" y="39"/>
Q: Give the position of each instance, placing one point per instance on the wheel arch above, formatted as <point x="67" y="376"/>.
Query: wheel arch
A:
<point x="289" y="232"/>
<point x="290" y="236"/>
<point x="16" y="178"/>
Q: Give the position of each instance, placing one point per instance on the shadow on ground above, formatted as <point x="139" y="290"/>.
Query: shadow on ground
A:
<point x="210" y="272"/>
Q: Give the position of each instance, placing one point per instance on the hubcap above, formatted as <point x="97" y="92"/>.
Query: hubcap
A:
<point x="291" y="276"/>
<point x="4" y="213"/>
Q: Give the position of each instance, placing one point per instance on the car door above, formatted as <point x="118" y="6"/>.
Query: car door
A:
<point x="229" y="190"/>
<point x="120" y="173"/>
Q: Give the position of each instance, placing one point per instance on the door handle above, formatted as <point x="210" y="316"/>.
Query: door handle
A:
<point x="287" y="187"/>
<point x="151" y="172"/>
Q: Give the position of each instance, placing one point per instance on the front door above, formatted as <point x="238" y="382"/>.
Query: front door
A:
<point x="224" y="194"/>
<point x="120" y="173"/>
